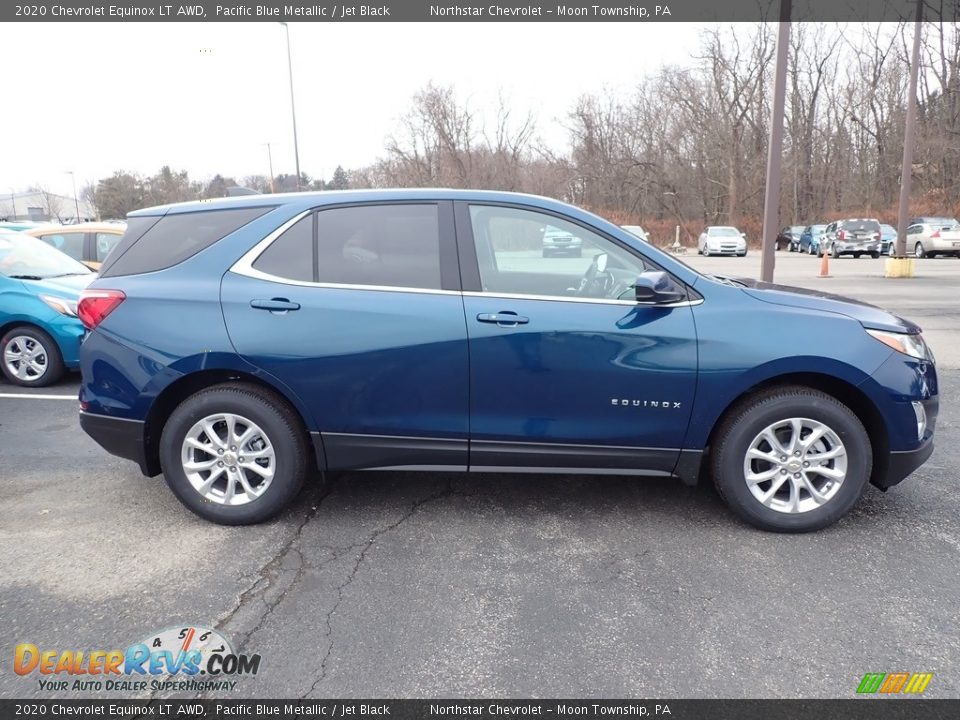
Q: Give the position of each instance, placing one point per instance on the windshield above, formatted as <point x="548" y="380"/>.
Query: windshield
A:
<point x="796" y="229"/>
<point x="724" y="232"/>
<point x="22" y="256"/>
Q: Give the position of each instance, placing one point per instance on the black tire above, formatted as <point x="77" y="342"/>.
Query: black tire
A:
<point x="279" y="422"/>
<point x="918" y="250"/>
<point x="875" y="255"/>
<point x="53" y="359"/>
<point x="748" y="419"/>
<point x="857" y="256"/>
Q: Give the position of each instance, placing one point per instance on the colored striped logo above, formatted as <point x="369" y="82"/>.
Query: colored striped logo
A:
<point x="892" y="683"/>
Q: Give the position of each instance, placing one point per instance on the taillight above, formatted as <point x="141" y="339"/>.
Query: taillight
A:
<point x="842" y="235"/>
<point x="936" y="234"/>
<point x="95" y="305"/>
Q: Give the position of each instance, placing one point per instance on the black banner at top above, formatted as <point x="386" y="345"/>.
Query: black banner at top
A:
<point x="479" y="11"/>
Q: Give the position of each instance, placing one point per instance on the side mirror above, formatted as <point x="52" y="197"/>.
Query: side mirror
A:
<point x="657" y="288"/>
<point x="743" y="235"/>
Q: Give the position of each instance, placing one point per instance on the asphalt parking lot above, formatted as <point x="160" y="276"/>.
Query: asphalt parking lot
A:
<point x="417" y="585"/>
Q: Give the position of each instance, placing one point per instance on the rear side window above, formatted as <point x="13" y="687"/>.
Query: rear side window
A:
<point x="69" y="243"/>
<point x="172" y="239"/>
<point x="389" y="245"/>
<point x="290" y="256"/>
<point x="385" y="245"/>
<point x="860" y="226"/>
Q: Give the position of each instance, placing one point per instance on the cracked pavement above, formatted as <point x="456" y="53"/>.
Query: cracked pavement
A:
<point x="443" y="585"/>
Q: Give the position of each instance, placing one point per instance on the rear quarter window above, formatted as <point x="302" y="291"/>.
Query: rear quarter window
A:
<point x="152" y="243"/>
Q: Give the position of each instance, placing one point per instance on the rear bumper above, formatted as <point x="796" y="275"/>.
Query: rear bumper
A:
<point x="902" y="463"/>
<point x="118" y="436"/>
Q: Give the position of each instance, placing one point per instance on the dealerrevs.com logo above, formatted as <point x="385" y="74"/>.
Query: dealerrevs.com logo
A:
<point x="192" y="658"/>
<point x="894" y="683"/>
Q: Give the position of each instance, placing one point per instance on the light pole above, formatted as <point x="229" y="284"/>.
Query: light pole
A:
<point x="270" y="160"/>
<point x="76" y="202"/>
<point x="293" y="110"/>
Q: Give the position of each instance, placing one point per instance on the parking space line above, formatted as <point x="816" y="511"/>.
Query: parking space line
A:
<point x="38" y="397"/>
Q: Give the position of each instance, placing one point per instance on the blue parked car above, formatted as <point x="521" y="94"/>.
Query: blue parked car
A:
<point x="39" y="329"/>
<point x="810" y="239"/>
<point x="238" y="344"/>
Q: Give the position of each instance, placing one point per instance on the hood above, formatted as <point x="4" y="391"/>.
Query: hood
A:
<point x="870" y="316"/>
<point x="68" y="286"/>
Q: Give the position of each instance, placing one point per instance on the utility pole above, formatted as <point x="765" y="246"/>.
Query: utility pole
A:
<point x="771" y="205"/>
<point x="293" y="109"/>
<point x="76" y="202"/>
<point x="906" y="170"/>
<point x="270" y="160"/>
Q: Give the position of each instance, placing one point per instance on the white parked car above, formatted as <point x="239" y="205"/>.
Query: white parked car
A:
<point x="722" y="240"/>
<point x="934" y="236"/>
<point x="638" y="231"/>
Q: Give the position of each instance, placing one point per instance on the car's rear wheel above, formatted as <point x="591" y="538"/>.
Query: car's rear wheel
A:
<point x="234" y="454"/>
<point x="30" y="357"/>
<point x="875" y="255"/>
<point x="791" y="459"/>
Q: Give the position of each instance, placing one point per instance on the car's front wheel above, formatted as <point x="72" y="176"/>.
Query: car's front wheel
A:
<point x="30" y="357"/>
<point x="791" y="459"/>
<point x="919" y="251"/>
<point x="234" y="454"/>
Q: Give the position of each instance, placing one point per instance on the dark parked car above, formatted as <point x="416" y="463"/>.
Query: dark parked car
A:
<point x="789" y="238"/>
<point x="237" y="344"/>
<point x="855" y="237"/>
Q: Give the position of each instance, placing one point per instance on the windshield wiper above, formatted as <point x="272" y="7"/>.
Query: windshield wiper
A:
<point x="25" y="277"/>
<point x="66" y="275"/>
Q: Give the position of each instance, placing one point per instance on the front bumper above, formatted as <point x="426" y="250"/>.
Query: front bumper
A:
<point x="119" y="436"/>
<point x="901" y="464"/>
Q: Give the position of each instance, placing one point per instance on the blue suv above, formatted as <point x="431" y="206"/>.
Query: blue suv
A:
<point x="240" y="345"/>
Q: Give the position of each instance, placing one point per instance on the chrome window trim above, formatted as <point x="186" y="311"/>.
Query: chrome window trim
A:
<point x="244" y="266"/>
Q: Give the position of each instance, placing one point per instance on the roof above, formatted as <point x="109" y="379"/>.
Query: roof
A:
<point x="331" y="197"/>
<point x="116" y="228"/>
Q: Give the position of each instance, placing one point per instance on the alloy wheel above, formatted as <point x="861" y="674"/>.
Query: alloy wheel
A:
<point x="795" y="465"/>
<point x="228" y="459"/>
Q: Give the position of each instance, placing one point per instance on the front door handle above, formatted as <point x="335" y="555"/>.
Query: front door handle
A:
<point x="506" y="318"/>
<point x="275" y="305"/>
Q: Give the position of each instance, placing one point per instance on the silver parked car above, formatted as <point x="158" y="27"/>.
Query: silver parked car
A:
<point x="722" y="240"/>
<point x="561" y="242"/>
<point x="857" y="237"/>
<point x="934" y="236"/>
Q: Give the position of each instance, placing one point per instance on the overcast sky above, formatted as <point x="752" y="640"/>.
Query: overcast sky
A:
<point x="98" y="97"/>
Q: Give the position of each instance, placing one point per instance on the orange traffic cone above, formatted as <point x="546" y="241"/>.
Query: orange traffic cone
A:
<point x="824" y="266"/>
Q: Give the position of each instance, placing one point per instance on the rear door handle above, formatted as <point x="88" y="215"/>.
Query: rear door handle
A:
<point x="506" y="318"/>
<point x="275" y="305"/>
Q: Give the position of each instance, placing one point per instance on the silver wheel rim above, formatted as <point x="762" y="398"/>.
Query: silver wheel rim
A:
<point x="228" y="459"/>
<point x="25" y="358"/>
<point x="795" y="465"/>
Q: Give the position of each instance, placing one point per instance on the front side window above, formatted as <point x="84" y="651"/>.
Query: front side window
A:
<point x="70" y="243"/>
<point x="523" y="252"/>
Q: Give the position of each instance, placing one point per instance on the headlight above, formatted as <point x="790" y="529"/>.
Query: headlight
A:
<point x="912" y="345"/>
<point x="61" y="305"/>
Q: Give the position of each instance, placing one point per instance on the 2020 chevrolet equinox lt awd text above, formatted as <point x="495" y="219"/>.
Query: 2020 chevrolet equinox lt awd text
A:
<point x="237" y="344"/>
